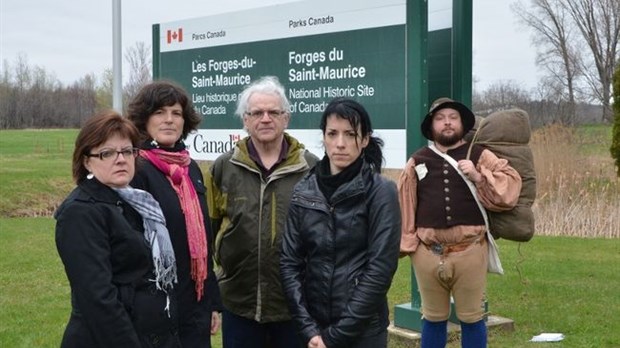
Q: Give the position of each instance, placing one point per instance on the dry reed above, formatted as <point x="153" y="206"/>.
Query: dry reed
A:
<point x="578" y="193"/>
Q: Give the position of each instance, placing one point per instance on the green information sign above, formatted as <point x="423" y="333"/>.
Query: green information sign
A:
<point x="367" y="64"/>
<point x="319" y="50"/>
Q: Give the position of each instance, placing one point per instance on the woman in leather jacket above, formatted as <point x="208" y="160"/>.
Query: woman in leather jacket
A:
<point x="341" y="243"/>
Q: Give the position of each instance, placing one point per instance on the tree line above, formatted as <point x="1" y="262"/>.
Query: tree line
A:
<point x="576" y="43"/>
<point x="31" y="97"/>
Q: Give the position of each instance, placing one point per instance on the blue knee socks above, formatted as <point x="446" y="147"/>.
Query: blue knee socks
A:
<point x="473" y="335"/>
<point x="434" y="334"/>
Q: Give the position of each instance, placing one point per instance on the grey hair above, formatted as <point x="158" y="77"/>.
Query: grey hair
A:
<point x="264" y="85"/>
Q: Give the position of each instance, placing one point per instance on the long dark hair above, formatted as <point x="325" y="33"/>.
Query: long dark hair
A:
<point x="358" y="117"/>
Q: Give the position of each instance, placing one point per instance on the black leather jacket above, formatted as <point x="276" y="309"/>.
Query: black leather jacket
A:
<point x="339" y="257"/>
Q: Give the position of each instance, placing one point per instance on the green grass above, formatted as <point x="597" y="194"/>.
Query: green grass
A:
<point x="35" y="170"/>
<point x="552" y="284"/>
<point x="559" y="284"/>
<point x="34" y="292"/>
<point x="594" y="139"/>
<point x="35" y="166"/>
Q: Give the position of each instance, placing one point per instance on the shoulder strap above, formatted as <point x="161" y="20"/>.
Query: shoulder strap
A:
<point x="470" y="184"/>
<point x="493" y="246"/>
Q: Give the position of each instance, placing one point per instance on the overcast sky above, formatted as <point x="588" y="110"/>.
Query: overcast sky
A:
<point x="72" y="38"/>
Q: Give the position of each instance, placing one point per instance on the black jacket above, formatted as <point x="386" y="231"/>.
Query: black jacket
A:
<point x="100" y="240"/>
<point x="339" y="257"/>
<point x="150" y="179"/>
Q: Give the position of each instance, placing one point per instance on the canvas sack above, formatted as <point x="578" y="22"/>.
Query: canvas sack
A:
<point x="507" y="134"/>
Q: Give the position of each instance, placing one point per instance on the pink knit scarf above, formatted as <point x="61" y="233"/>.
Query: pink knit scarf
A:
<point x="175" y="165"/>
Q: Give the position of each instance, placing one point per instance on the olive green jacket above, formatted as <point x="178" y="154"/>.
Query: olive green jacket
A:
<point x="248" y="215"/>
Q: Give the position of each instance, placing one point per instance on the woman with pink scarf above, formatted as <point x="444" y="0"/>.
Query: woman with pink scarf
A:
<point x="164" y="115"/>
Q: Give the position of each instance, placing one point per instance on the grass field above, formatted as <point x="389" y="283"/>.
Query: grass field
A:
<point x="552" y="284"/>
<point x="35" y="170"/>
<point x="555" y="283"/>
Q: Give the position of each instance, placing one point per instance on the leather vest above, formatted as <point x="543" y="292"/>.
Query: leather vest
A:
<point x="444" y="200"/>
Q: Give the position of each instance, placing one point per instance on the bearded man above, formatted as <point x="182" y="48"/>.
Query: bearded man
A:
<point x="443" y="229"/>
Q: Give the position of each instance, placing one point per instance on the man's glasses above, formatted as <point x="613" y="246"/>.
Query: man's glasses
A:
<point x="106" y="155"/>
<point x="256" y="114"/>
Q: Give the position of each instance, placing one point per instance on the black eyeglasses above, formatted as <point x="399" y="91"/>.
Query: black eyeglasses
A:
<point x="271" y="113"/>
<point x="106" y="155"/>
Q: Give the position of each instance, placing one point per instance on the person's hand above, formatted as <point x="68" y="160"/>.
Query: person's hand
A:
<point x="469" y="169"/>
<point x="316" y="342"/>
<point x="216" y="322"/>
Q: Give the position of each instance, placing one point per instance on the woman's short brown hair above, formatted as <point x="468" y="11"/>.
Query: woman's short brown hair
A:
<point x="156" y="95"/>
<point x="95" y="131"/>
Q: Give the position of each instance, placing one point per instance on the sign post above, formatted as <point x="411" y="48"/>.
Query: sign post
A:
<point x="447" y="61"/>
<point x="393" y="56"/>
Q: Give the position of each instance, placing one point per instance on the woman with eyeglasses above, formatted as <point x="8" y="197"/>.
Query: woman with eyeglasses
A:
<point x="164" y="116"/>
<point x="114" y="246"/>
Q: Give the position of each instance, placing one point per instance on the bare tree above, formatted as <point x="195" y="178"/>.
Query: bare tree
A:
<point x="104" y="90"/>
<point x="86" y="103"/>
<point x="500" y="95"/>
<point x="562" y="29"/>
<point x="22" y="84"/>
<point x="550" y="105"/>
<point x="553" y="36"/>
<point x="6" y="92"/>
<point x="139" y="59"/>
<point x="599" y="23"/>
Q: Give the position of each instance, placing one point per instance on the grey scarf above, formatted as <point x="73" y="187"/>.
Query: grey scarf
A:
<point x="155" y="233"/>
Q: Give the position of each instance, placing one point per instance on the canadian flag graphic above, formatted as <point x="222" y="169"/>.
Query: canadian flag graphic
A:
<point x="175" y="35"/>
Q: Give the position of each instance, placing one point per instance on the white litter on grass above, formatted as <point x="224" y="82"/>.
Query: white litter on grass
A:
<point x="548" y="337"/>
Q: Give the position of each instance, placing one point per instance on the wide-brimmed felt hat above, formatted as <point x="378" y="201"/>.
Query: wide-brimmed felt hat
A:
<point x="467" y="116"/>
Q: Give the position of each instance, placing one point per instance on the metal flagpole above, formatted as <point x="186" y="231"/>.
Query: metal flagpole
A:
<point x="117" y="53"/>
